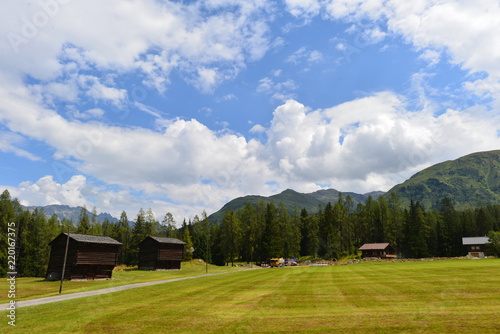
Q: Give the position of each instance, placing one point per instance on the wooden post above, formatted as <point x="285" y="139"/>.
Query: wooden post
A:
<point x="64" y="264"/>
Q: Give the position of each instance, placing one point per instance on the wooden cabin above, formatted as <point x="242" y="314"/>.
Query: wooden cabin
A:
<point x="378" y="250"/>
<point x="89" y="257"/>
<point x="157" y="253"/>
<point x="476" y="246"/>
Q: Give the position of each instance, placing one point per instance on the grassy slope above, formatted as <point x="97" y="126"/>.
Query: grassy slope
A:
<point x="457" y="296"/>
<point x="470" y="181"/>
<point x="35" y="287"/>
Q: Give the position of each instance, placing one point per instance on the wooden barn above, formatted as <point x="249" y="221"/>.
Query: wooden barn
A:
<point x="476" y="246"/>
<point x="378" y="250"/>
<point x="89" y="257"/>
<point x="157" y="253"/>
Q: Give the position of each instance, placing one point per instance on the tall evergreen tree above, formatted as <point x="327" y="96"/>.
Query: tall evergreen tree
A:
<point x="292" y="236"/>
<point x="449" y="233"/>
<point x="10" y="211"/>
<point x="150" y="224"/>
<point x="124" y="236"/>
<point x="138" y="234"/>
<point x="272" y="245"/>
<point x="231" y="233"/>
<point x="253" y="229"/>
<point x="169" y="228"/>
<point x="186" y="237"/>
<point x="95" y="225"/>
<point x="417" y="232"/>
<point x="329" y="234"/>
<point x="84" y="226"/>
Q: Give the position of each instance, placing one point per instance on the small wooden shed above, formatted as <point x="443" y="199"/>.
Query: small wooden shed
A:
<point x="476" y="246"/>
<point x="157" y="253"/>
<point x="89" y="257"/>
<point x="378" y="250"/>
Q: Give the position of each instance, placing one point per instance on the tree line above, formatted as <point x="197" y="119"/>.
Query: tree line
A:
<point x="258" y="232"/>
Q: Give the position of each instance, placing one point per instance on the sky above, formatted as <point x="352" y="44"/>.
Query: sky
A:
<point x="181" y="106"/>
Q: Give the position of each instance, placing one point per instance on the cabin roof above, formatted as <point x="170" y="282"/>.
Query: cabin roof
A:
<point x="376" y="246"/>
<point x="163" y="240"/>
<point x="91" y="239"/>
<point x="475" y="240"/>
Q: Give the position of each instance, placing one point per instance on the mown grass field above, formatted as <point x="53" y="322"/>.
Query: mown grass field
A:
<point x="36" y="287"/>
<point x="453" y="296"/>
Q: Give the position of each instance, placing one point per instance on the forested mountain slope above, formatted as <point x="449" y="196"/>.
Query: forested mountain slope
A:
<point x="292" y="200"/>
<point x="470" y="181"/>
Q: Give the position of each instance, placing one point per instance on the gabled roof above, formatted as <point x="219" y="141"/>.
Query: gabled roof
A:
<point x="90" y="239"/>
<point x="475" y="240"/>
<point x="163" y="240"/>
<point x="377" y="246"/>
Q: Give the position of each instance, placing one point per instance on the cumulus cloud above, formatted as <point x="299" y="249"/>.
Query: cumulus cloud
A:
<point x="372" y="138"/>
<point x="369" y="143"/>
<point x="279" y="91"/>
<point x="362" y="145"/>
<point x="303" y="8"/>
<point x="53" y="38"/>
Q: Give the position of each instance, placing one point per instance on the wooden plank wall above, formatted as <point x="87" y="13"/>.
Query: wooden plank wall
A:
<point x="148" y="255"/>
<point x="171" y="252"/>
<point x="97" y="254"/>
<point x="57" y="258"/>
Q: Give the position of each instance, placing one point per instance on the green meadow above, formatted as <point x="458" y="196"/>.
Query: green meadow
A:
<point x="30" y="287"/>
<point x="451" y="296"/>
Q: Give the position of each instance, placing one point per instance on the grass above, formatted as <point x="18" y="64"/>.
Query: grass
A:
<point x="453" y="296"/>
<point x="36" y="287"/>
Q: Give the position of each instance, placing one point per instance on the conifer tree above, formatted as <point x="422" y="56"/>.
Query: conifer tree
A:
<point x="138" y="234"/>
<point x="168" y="226"/>
<point x="123" y="236"/>
<point x="231" y="236"/>
<point x="84" y="226"/>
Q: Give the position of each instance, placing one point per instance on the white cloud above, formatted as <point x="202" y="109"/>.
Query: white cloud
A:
<point x="302" y="54"/>
<point x="257" y="128"/>
<point x="362" y="145"/>
<point x="431" y="56"/>
<point x="464" y="30"/>
<point x="160" y="37"/>
<point x="8" y="143"/>
<point x="86" y="114"/>
<point x="372" y="138"/>
<point x="279" y="91"/>
<point x="303" y="8"/>
<point x="355" y="9"/>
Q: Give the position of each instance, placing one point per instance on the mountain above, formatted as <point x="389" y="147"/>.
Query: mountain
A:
<point x="292" y="200"/>
<point x="72" y="213"/>
<point x="469" y="181"/>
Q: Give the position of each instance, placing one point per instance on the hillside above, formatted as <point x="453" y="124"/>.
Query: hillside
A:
<point x="293" y="200"/>
<point x="470" y="181"/>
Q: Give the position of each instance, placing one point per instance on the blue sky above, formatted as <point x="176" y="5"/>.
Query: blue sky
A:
<point x="180" y="106"/>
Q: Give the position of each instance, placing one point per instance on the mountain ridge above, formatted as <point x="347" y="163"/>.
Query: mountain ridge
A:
<point x="469" y="181"/>
<point x="73" y="213"/>
<point x="292" y="200"/>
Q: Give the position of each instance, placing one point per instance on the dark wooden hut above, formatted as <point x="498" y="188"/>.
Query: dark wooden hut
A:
<point x="161" y="253"/>
<point x="378" y="250"/>
<point x="476" y="246"/>
<point x="89" y="257"/>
